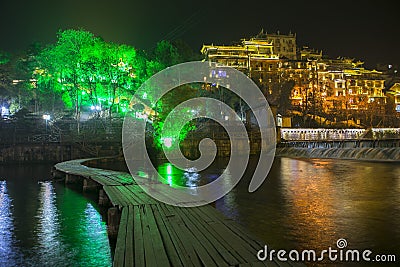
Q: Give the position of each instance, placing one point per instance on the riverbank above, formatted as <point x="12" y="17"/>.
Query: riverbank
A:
<point x="391" y="154"/>
<point x="42" y="152"/>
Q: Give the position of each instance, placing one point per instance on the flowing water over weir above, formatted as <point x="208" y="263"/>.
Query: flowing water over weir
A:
<point x="364" y="153"/>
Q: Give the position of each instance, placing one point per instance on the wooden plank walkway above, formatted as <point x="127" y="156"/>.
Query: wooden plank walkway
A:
<point x="152" y="233"/>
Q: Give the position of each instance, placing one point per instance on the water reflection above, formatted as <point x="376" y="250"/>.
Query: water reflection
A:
<point x="171" y="175"/>
<point x="94" y="239"/>
<point x="46" y="224"/>
<point x="310" y="204"/>
<point x="82" y="230"/>
<point x="310" y="201"/>
<point x="8" y="251"/>
<point x="49" y="247"/>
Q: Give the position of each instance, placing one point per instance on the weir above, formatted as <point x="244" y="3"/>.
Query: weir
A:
<point x="391" y="154"/>
<point x="363" y="143"/>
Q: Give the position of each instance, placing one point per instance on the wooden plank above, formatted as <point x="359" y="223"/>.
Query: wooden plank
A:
<point x="166" y="237"/>
<point x="149" y="253"/>
<point x="157" y="243"/>
<point x="214" y="214"/>
<point x="113" y="195"/>
<point x="193" y="235"/>
<point x="127" y="196"/>
<point x="168" y="219"/>
<point x="141" y="196"/>
<point x="203" y="236"/>
<point x="226" y="245"/>
<point x="258" y="264"/>
<point x="163" y="193"/>
<point x="138" y="237"/>
<point x="182" y="234"/>
<point x="237" y="244"/>
<point x="218" y="246"/>
<point x="116" y="190"/>
<point x="120" y="246"/>
<point x="120" y="177"/>
<point x="109" y="181"/>
<point x="289" y="264"/>
<point x="129" y="250"/>
<point x="134" y="195"/>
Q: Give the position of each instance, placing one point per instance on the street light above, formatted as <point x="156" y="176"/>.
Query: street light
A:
<point x="46" y="117"/>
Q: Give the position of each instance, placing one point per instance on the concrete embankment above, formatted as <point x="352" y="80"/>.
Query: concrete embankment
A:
<point x="390" y="154"/>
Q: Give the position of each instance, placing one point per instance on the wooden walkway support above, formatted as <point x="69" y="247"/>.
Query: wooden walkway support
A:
<point x="151" y="233"/>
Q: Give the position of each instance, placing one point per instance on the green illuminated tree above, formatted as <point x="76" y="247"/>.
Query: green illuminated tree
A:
<point x="165" y="54"/>
<point x="123" y="72"/>
<point x="164" y="106"/>
<point x="4" y="57"/>
<point x="4" y="73"/>
<point x="85" y="71"/>
<point x="5" y="78"/>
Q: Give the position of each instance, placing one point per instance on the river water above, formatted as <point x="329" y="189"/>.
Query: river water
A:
<point x="43" y="223"/>
<point x="311" y="203"/>
<point x="303" y="204"/>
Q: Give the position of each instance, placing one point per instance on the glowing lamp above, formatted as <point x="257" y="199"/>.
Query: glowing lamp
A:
<point x="169" y="169"/>
<point x="168" y="142"/>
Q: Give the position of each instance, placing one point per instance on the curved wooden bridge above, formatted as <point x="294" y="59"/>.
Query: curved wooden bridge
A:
<point x="151" y="233"/>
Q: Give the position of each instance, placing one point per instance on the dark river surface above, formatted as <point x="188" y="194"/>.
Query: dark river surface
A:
<point x="43" y="223"/>
<point x="303" y="204"/>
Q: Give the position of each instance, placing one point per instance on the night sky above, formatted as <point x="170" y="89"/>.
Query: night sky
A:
<point x="365" y="30"/>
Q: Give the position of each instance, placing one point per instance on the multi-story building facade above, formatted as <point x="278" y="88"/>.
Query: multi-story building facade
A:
<point x="251" y="54"/>
<point x="253" y="57"/>
<point x="319" y="85"/>
<point x="394" y="92"/>
<point x="284" y="45"/>
<point x="308" y="53"/>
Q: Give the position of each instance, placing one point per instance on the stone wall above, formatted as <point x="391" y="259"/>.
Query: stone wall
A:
<point x="54" y="152"/>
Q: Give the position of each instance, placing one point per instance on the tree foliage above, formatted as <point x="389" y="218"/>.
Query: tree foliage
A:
<point x="4" y="57"/>
<point x="86" y="71"/>
<point x="81" y="72"/>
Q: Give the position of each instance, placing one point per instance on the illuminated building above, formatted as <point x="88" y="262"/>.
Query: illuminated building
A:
<point x="320" y="85"/>
<point x="394" y="92"/>
<point x="308" y="53"/>
<point x="284" y="45"/>
<point x="249" y="54"/>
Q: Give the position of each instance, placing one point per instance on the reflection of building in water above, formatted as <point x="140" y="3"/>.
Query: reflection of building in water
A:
<point x="310" y="200"/>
